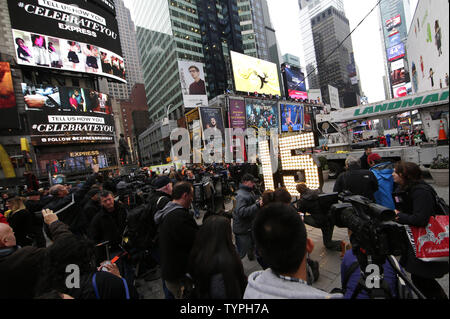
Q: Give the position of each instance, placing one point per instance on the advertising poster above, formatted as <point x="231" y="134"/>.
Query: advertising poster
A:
<point x="396" y="52"/>
<point x="402" y="90"/>
<point x="393" y="22"/>
<point x="334" y="97"/>
<point x="428" y="46"/>
<point x="8" y="107"/>
<point x="394" y="39"/>
<point x="262" y="114"/>
<point x="211" y="118"/>
<point x="295" y="80"/>
<point x="315" y="95"/>
<point x="236" y="114"/>
<point x="255" y="75"/>
<point x="67" y="35"/>
<point x="398" y="73"/>
<point x="193" y="86"/>
<point x="292" y="118"/>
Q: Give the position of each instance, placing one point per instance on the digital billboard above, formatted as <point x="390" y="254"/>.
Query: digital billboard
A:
<point x="393" y="22"/>
<point x="211" y="118"/>
<point x="292" y="118"/>
<point x="261" y="114"/>
<point x="396" y="52"/>
<point x="398" y="73"/>
<point x="68" y="115"/>
<point x="72" y="35"/>
<point x="394" y="39"/>
<point x="402" y="90"/>
<point x="255" y="75"/>
<point x="193" y="86"/>
<point x="8" y="107"/>
<point x="295" y="82"/>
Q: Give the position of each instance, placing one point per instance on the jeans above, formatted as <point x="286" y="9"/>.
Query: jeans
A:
<point x="244" y="244"/>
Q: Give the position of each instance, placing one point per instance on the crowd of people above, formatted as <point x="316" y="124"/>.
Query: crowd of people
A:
<point x="96" y="228"/>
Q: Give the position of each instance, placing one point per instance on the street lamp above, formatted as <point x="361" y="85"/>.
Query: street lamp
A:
<point x="166" y="119"/>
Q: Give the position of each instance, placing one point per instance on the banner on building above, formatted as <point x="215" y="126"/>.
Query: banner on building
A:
<point x="193" y="86"/>
<point x="236" y="114"/>
<point x="8" y="107"/>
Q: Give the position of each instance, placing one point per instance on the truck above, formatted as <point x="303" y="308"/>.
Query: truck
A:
<point x="336" y="129"/>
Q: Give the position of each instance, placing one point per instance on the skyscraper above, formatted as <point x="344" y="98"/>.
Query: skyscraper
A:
<point x="308" y="9"/>
<point x="336" y="67"/>
<point x="177" y="30"/>
<point x="395" y="19"/>
<point x="128" y="41"/>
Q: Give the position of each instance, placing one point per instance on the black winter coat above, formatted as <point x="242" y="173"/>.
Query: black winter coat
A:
<point x="176" y="238"/>
<point x="72" y="213"/>
<point x="358" y="181"/>
<point x="309" y="203"/>
<point x="91" y="208"/>
<point x="417" y="207"/>
<point x="20" y="267"/>
<point x="22" y="224"/>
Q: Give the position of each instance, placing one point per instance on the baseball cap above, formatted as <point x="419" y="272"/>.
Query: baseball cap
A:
<point x="373" y="158"/>
<point x="162" y="181"/>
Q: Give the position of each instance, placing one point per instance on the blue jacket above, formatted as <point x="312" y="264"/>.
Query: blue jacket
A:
<point x="383" y="173"/>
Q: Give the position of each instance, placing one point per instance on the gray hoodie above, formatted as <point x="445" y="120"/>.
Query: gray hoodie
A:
<point x="170" y="207"/>
<point x="266" y="285"/>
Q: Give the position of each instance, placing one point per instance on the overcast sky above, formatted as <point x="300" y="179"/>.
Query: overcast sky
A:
<point x="366" y="39"/>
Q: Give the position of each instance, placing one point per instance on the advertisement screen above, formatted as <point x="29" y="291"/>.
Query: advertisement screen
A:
<point x="295" y="80"/>
<point x="236" y="114"/>
<point x="211" y="118"/>
<point x="398" y="73"/>
<point x="402" y="90"/>
<point x="8" y="106"/>
<point x="395" y="21"/>
<point x="394" y="39"/>
<point x="396" y="52"/>
<point x="292" y="118"/>
<point x="255" y="75"/>
<point x="193" y="85"/>
<point x="73" y="35"/>
<point x="261" y="114"/>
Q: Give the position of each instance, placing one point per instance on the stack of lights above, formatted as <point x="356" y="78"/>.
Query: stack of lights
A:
<point x="264" y="154"/>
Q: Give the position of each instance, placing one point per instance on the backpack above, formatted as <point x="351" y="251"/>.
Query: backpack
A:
<point x="140" y="229"/>
<point x="441" y="205"/>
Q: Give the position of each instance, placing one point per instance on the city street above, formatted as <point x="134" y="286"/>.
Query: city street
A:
<point x="329" y="261"/>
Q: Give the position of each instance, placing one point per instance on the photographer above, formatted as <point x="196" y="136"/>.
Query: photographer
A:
<point x="309" y="203"/>
<point x="418" y="204"/>
<point x="247" y="205"/>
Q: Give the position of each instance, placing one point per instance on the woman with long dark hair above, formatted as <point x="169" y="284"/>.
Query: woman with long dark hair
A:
<point x="418" y="204"/>
<point x="214" y="264"/>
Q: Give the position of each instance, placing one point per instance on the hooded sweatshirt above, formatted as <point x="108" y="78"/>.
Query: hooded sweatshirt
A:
<point x="266" y="285"/>
<point x="383" y="173"/>
<point x="162" y="213"/>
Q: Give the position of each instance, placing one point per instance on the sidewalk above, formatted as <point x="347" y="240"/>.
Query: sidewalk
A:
<point x="329" y="261"/>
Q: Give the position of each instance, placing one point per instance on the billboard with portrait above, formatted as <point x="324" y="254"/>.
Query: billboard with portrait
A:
<point x="8" y="107"/>
<point x="255" y="75"/>
<point x="398" y="73"/>
<point x="211" y="118"/>
<point x="292" y="118"/>
<point x="262" y="114"/>
<point x="71" y="35"/>
<point x="193" y="86"/>
<point x="295" y="82"/>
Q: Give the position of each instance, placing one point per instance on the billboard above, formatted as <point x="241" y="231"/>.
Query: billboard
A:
<point x="334" y="97"/>
<point x="8" y="106"/>
<point x="394" y="39"/>
<point x="261" y="114"/>
<point x="55" y="127"/>
<point x="315" y="95"/>
<point x="398" y="73"/>
<point x="292" y="117"/>
<point x="396" y="52"/>
<point x="236" y="114"/>
<point x="295" y="82"/>
<point x="211" y="118"/>
<point x="428" y="46"/>
<point x="255" y="75"/>
<point x="192" y="78"/>
<point x="72" y="35"/>
<point x="402" y="90"/>
<point x="393" y="22"/>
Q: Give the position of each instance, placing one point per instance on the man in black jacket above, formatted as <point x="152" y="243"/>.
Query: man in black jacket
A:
<point x="363" y="160"/>
<point x="247" y="205"/>
<point x="68" y="206"/>
<point x="177" y="233"/>
<point x="20" y="267"/>
<point x="92" y="205"/>
<point x="356" y="180"/>
<point x="309" y="203"/>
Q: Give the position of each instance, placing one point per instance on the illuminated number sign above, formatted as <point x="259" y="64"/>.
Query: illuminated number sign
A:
<point x="291" y="163"/>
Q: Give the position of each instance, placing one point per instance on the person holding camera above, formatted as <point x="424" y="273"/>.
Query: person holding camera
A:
<point x="416" y="203"/>
<point x="247" y="205"/>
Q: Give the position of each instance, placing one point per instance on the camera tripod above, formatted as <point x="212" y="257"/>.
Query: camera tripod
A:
<point x="383" y="290"/>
